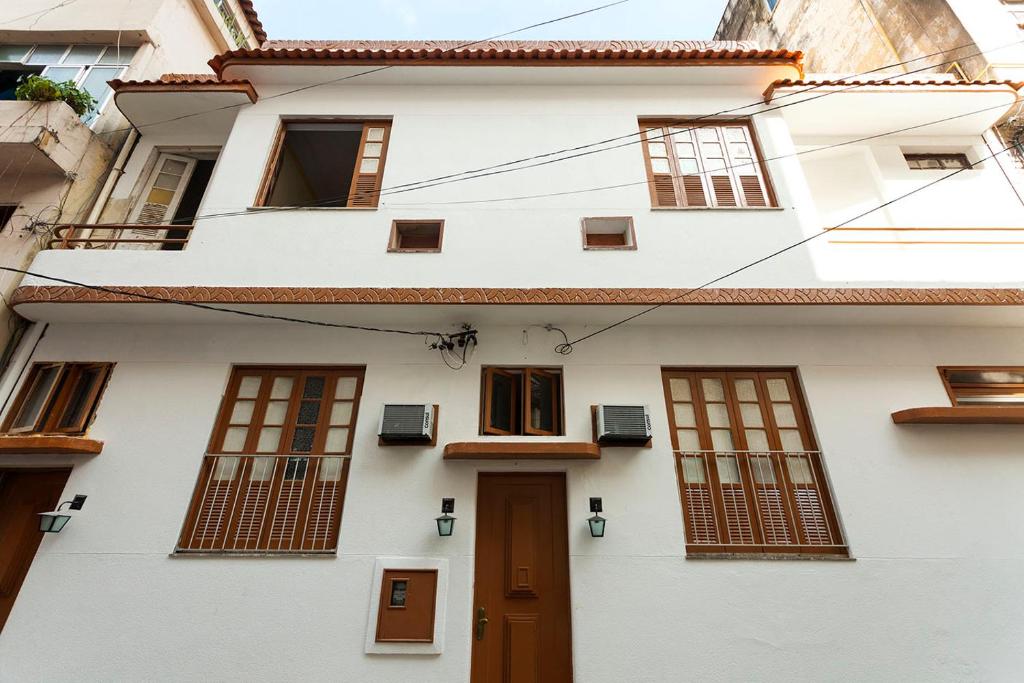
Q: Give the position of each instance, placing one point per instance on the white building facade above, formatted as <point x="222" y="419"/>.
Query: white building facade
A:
<point x="831" y="478"/>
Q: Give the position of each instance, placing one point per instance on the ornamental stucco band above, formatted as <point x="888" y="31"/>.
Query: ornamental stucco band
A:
<point x="525" y="296"/>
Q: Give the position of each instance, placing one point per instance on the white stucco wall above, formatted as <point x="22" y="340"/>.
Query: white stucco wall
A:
<point x="929" y="511"/>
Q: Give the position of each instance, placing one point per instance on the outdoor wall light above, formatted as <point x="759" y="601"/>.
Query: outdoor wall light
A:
<point x="53" y="522"/>
<point x="446" y="523"/>
<point x="597" y="521"/>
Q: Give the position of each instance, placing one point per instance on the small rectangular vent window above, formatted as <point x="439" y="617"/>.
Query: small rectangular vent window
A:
<point x="985" y="386"/>
<point x="416" y="236"/>
<point x="608" y="233"/>
<point x="937" y="162"/>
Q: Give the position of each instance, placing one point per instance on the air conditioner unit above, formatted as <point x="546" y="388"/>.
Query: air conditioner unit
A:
<point x="623" y="425"/>
<point x="406" y="422"/>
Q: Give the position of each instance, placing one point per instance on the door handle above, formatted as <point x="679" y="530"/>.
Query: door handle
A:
<point x="481" y="623"/>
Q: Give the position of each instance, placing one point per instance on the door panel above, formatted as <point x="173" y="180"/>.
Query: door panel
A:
<point x="522" y="581"/>
<point x="23" y="494"/>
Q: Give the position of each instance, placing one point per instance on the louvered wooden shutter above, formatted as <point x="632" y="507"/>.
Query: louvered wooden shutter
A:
<point x="659" y="167"/>
<point x="159" y="200"/>
<point x="745" y="166"/>
<point x="212" y="515"/>
<point x="369" y="168"/>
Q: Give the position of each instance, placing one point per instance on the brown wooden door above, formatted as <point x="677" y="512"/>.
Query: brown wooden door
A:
<point x="23" y="494"/>
<point x="522" y="581"/>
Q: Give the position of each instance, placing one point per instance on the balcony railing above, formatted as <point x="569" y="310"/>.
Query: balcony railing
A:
<point x="122" y="236"/>
<point x="267" y="504"/>
<point x="758" y="501"/>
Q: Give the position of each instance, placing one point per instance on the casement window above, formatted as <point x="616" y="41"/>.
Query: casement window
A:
<point x="984" y="386"/>
<point x="522" y="401"/>
<point x="274" y="479"/>
<point x="703" y="164"/>
<point x="608" y="233"/>
<point x="935" y="162"/>
<point x="327" y="164"/>
<point x="58" y="398"/>
<point x="416" y="236"/>
<point x="750" y="475"/>
<point x="88" y="66"/>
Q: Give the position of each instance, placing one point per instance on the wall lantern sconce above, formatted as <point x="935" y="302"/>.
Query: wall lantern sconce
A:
<point x="446" y="523"/>
<point x="597" y="521"/>
<point x="53" y="522"/>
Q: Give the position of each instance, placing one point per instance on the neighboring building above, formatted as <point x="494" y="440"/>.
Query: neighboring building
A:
<point x="54" y="165"/>
<point x="252" y="515"/>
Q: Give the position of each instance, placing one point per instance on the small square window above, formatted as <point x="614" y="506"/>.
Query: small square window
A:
<point x="58" y="398"/>
<point x="522" y="401"/>
<point x="609" y="233"/>
<point x="416" y="236"/>
<point x="937" y="162"/>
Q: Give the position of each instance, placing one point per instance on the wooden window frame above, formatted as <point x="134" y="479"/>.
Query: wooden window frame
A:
<point x="630" y="234"/>
<point x="394" y="239"/>
<point x="273" y="161"/>
<point x="747" y="484"/>
<point x="980" y="388"/>
<point x="962" y="158"/>
<point x="520" y="404"/>
<point x="710" y="196"/>
<point x="58" y="398"/>
<point x="556" y="390"/>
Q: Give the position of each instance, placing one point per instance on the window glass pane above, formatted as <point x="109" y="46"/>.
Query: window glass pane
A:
<point x="680" y="389"/>
<point x="660" y="166"/>
<point x="799" y="470"/>
<point x="707" y="134"/>
<point x="302" y="439"/>
<point x="751" y="413"/>
<point x="282" y="387"/>
<point x="684" y="415"/>
<point x="13" y="53"/>
<point x="685" y="150"/>
<point x="83" y="54"/>
<point x="262" y="469"/>
<point x="270" y="439"/>
<point x="757" y="440"/>
<point x="118" y="55"/>
<point x="718" y="415"/>
<point x="249" y="387"/>
<point x="688" y="166"/>
<point x="276" y="412"/>
<point x="713" y="390"/>
<point x="78" y="403"/>
<point x="225" y="469"/>
<point x="47" y="54"/>
<point x="983" y="376"/>
<point x="682" y="134"/>
<point x="501" y="402"/>
<point x="745" y="390"/>
<point x="346" y="388"/>
<point x="778" y="390"/>
<point x="59" y="74"/>
<point x="330" y="469"/>
<point x="341" y="413"/>
<point x="735" y="134"/>
<point x="36" y="401"/>
<point x="242" y="413"/>
<point x="295" y="468"/>
<point x="369" y="165"/>
<point x="96" y="84"/>
<point x="714" y="164"/>
<point x="791" y="440"/>
<point x="542" y="403"/>
<point x="167" y="181"/>
<point x="761" y="468"/>
<point x="313" y="388"/>
<point x="784" y="415"/>
<point x="337" y="440"/>
<point x="375" y="135"/>
<point x="309" y="412"/>
<point x="693" y="471"/>
<point x="721" y="440"/>
<point x="234" y="439"/>
<point x="728" y="472"/>
<point x="657" y="149"/>
<point x="372" y="149"/>
<point x="688" y="440"/>
<point x="739" y="150"/>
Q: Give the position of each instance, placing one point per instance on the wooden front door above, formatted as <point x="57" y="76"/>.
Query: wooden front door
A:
<point x="23" y="494"/>
<point x="522" y="631"/>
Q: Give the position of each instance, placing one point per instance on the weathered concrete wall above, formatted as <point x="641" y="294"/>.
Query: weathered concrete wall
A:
<point x="852" y="36"/>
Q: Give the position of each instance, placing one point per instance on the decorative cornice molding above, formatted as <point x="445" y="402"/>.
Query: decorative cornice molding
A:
<point x="900" y="296"/>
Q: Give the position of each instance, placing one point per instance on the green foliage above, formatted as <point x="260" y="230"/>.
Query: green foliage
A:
<point x="39" y="89"/>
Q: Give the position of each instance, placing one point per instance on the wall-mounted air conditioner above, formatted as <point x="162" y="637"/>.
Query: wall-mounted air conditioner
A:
<point x="406" y="422"/>
<point x="623" y="425"/>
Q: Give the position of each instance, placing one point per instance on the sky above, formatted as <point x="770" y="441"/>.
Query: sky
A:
<point x="476" y="19"/>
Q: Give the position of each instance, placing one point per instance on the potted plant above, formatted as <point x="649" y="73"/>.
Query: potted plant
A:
<point x="38" y="89"/>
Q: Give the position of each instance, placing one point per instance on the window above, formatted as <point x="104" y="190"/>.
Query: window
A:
<point x="522" y="401"/>
<point x="6" y="214"/>
<point x="772" y="4"/>
<point x="231" y="22"/>
<point x="58" y="398"/>
<point x="416" y="236"/>
<point x="704" y="165"/>
<point x="608" y="233"/>
<point x="88" y="66"/>
<point x="927" y="162"/>
<point x="274" y="479"/>
<point x="327" y="164"/>
<point x="751" y="478"/>
<point x="984" y="386"/>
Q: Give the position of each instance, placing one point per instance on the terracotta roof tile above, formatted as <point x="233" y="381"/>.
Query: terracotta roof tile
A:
<point x="561" y="51"/>
<point x="884" y="82"/>
<point x="253" y="20"/>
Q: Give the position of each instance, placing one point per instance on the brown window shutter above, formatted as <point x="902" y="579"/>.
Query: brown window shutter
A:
<point x="724" y="195"/>
<point x="700" y="515"/>
<point x="369" y="169"/>
<point x="665" y="190"/>
<point x="693" y="186"/>
<point x="213" y="516"/>
<point x="738" y="529"/>
<point x="771" y="508"/>
<point x="753" y="195"/>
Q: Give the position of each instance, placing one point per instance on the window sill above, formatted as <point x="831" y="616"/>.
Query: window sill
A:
<point x="979" y="415"/>
<point x="221" y="554"/>
<point x="522" y="450"/>
<point x="595" y="248"/>
<point x="45" y="443"/>
<point x="718" y="208"/>
<point x="307" y="208"/>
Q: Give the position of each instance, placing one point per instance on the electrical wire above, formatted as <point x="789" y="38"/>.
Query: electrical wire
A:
<point x="571" y="344"/>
